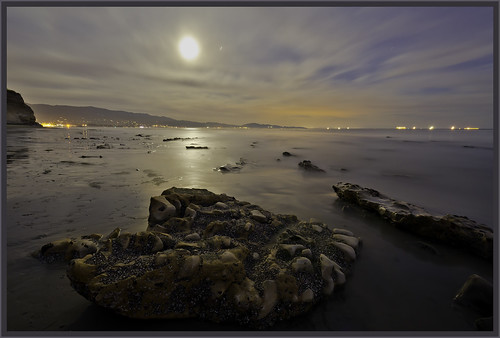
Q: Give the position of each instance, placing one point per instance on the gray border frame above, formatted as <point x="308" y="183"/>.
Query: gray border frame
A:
<point x="208" y="3"/>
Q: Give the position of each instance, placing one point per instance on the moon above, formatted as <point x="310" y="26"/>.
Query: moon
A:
<point x="189" y="48"/>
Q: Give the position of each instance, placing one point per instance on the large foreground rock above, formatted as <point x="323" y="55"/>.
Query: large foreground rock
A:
<point x="211" y="257"/>
<point x="458" y="231"/>
<point x="18" y="112"/>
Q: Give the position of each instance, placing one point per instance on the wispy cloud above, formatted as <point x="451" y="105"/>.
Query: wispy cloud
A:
<point x="308" y="66"/>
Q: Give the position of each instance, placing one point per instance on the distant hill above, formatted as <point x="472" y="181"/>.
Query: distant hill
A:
<point x="94" y="116"/>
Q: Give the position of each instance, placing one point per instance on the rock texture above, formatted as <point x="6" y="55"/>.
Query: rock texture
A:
<point x="458" y="231"/>
<point x="212" y="257"/>
<point x="18" y="112"/>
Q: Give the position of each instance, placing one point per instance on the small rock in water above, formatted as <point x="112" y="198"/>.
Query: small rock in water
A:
<point x="484" y="324"/>
<point x="308" y="166"/>
<point x="229" y="168"/>
<point x="476" y="294"/>
<point x="96" y="185"/>
<point x="196" y="147"/>
<point x="177" y="139"/>
<point x="104" y="146"/>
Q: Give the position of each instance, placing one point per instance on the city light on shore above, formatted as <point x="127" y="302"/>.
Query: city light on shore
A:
<point x="58" y="125"/>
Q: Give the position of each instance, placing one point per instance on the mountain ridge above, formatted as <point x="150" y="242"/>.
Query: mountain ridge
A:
<point x="95" y="116"/>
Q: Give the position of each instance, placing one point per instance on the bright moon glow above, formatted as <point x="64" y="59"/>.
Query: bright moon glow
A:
<point x="188" y="47"/>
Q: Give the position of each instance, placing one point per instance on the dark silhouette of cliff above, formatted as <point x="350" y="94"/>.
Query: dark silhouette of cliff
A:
<point x="18" y="112"/>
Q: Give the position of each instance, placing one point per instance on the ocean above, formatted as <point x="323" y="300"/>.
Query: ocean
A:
<point x="59" y="184"/>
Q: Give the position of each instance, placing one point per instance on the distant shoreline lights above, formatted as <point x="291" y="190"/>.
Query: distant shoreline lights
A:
<point x="432" y="128"/>
<point x="59" y="125"/>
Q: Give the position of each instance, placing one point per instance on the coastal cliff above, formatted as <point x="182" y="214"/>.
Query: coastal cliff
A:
<point x="18" y="112"/>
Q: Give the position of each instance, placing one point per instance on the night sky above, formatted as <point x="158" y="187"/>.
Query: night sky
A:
<point x="314" y="67"/>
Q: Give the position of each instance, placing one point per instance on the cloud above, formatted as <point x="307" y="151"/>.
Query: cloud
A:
<point x="276" y="65"/>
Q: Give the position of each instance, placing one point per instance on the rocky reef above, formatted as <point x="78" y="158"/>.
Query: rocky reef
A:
<point x="212" y="257"/>
<point x="18" y="112"/>
<point x="457" y="231"/>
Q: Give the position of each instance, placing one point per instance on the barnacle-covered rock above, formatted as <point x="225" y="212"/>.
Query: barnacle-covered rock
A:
<point x="233" y="262"/>
<point x="457" y="231"/>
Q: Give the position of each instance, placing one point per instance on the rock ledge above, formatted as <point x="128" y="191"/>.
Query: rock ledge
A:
<point x="457" y="231"/>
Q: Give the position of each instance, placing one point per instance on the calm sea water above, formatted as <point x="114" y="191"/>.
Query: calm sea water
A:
<point x="52" y="192"/>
